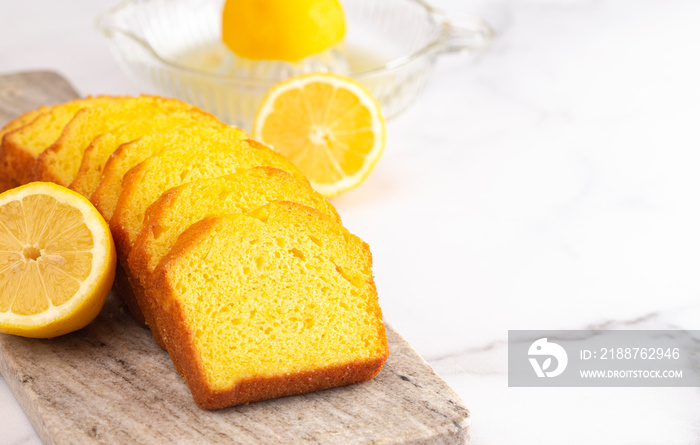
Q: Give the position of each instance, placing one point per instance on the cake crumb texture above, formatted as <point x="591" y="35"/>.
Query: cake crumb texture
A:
<point x="275" y="302"/>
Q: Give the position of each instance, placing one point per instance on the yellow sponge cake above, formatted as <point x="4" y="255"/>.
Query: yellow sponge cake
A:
<point x="128" y="155"/>
<point x="183" y="206"/>
<point x="101" y="148"/>
<point x="209" y="154"/>
<point x="276" y="302"/>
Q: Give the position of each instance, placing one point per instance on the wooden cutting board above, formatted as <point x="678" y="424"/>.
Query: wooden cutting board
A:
<point x="110" y="382"/>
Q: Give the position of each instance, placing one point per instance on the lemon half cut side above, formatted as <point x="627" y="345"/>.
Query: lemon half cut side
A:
<point x="330" y="126"/>
<point x="57" y="261"/>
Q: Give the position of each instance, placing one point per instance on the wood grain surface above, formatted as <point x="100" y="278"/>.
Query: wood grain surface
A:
<point x="21" y="92"/>
<point x="110" y="383"/>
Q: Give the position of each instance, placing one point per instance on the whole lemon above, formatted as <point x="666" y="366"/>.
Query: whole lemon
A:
<point x="281" y="29"/>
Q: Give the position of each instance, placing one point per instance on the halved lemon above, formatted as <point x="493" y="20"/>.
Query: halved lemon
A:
<point x="57" y="261"/>
<point x="330" y="126"/>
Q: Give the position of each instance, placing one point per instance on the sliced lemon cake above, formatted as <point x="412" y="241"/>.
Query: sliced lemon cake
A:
<point x="22" y="146"/>
<point x="129" y="155"/>
<point x="183" y="206"/>
<point x="208" y="155"/>
<point x="100" y="149"/>
<point x="276" y="302"/>
<point x="60" y="162"/>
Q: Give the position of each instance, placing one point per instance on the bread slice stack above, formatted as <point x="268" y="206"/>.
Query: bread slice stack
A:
<point x="243" y="272"/>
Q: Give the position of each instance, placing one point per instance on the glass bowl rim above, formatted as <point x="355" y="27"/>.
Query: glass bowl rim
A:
<point x="103" y="24"/>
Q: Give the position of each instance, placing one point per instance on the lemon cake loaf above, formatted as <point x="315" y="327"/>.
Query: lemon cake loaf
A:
<point x="100" y="149"/>
<point x="128" y="155"/>
<point x="60" y="162"/>
<point x="276" y="302"/>
<point x="21" y="147"/>
<point x="209" y="155"/>
<point x="183" y="206"/>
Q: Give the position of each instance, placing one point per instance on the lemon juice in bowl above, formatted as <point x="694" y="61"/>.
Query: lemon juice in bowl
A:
<point x="214" y="58"/>
<point x="347" y="58"/>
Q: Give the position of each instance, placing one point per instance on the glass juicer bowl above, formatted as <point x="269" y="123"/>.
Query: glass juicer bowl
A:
<point x="174" y="48"/>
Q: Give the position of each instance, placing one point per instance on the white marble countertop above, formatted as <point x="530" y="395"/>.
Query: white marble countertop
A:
<point x="550" y="183"/>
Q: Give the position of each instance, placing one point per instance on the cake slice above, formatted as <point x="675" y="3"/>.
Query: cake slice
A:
<point x="6" y="181"/>
<point x="209" y="154"/>
<point x="128" y="155"/>
<point x="100" y="149"/>
<point x="22" y="145"/>
<point x="277" y="302"/>
<point x="60" y="162"/>
<point x="182" y="206"/>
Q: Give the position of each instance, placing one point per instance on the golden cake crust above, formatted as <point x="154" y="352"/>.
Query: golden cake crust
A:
<point x="5" y="182"/>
